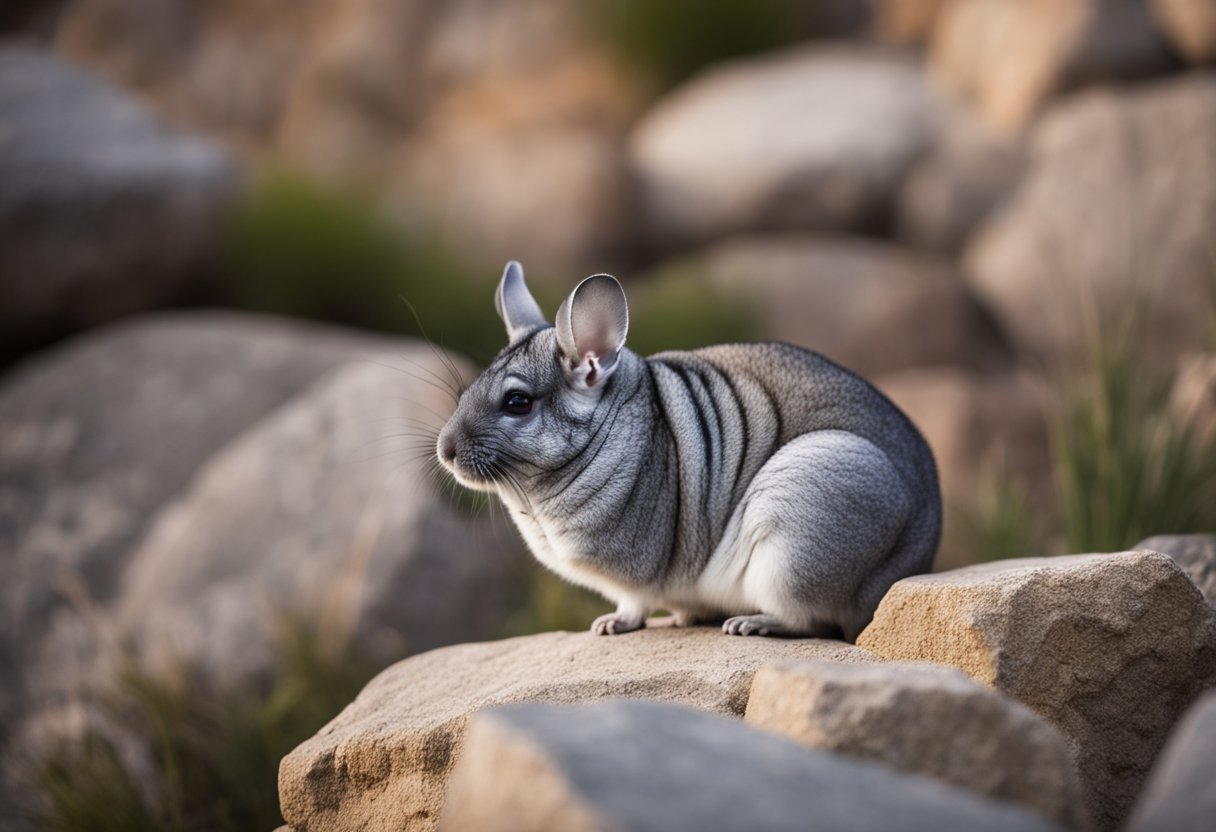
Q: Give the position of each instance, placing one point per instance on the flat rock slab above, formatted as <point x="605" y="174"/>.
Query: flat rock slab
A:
<point x="384" y="762"/>
<point x="649" y="766"/>
<point x="1111" y="649"/>
<point x="923" y="719"/>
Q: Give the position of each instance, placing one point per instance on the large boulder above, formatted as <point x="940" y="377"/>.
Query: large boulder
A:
<point x="103" y="211"/>
<point x="646" y="766"/>
<point x="1189" y="25"/>
<point x="1110" y="649"/>
<point x="1115" y="214"/>
<point x="872" y="306"/>
<point x="1007" y="57"/>
<point x="102" y="432"/>
<point x="321" y="506"/>
<point x="1181" y="794"/>
<point x="183" y="483"/>
<point x="384" y="762"/>
<point x="922" y="719"/>
<point x="809" y="138"/>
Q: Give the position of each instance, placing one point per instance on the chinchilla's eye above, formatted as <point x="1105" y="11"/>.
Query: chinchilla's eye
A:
<point x="517" y="403"/>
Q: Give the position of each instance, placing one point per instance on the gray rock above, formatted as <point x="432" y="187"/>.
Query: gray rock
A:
<point x="321" y="509"/>
<point x="1195" y="553"/>
<point x="1110" y="649"/>
<point x="922" y="719"/>
<point x="1115" y="213"/>
<point x="97" y="435"/>
<point x="384" y="762"/>
<point x="1181" y="792"/>
<point x="102" y="210"/>
<point x="646" y="766"/>
<point x="871" y="306"/>
<point x="810" y="138"/>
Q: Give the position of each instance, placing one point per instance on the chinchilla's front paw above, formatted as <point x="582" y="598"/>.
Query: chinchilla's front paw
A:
<point x="613" y="624"/>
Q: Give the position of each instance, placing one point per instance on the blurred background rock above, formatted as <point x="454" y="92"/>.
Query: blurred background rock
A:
<point x="216" y="519"/>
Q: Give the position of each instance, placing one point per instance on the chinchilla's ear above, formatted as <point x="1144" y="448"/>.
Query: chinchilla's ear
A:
<point x="515" y="304"/>
<point x="591" y="327"/>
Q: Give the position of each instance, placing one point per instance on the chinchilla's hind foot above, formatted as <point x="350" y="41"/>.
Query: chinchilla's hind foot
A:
<point x="756" y="625"/>
<point x="767" y="625"/>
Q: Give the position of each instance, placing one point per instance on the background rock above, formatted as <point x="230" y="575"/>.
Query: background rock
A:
<point x="102" y="211"/>
<point x="645" y="766"/>
<point x="1189" y="25"/>
<point x="922" y="719"/>
<point x="1007" y="57"/>
<point x="1195" y="553"/>
<point x="871" y="306"/>
<point x="383" y="763"/>
<point x="184" y="483"/>
<point x="100" y="434"/>
<point x="1180" y="796"/>
<point x="1110" y="649"/>
<point x="906" y="21"/>
<point x="1115" y="214"/>
<point x="964" y="177"/>
<point x="809" y="138"/>
<point x="496" y="124"/>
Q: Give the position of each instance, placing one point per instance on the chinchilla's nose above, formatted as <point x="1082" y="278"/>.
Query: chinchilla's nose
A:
<point x="447" y="448"/>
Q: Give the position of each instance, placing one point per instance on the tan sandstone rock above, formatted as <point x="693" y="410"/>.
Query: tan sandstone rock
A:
<point x="383" y="763"/>
<point x="923" y="719"/>
<point x="1115" y="213"/>
<point x="1195" y="553"/>
<point x="1006" y="57"/>
<point x="649" y="766"/>
<point x="1111" y="649"/>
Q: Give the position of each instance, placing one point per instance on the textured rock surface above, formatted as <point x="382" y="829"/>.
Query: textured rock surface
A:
<point x="1110" y="649"/>
<point x="102" y="210"/>
<point x="871" y="306"/>
<point x="316" y="508"/>
<point x="645" y="766"/>
<point x="383" y="763"/>
<point x="1116" y="209"/>
<point x="922" y="719"/>
<point x="1006" y="57"/>
<point x="812" y="138"/>
<point x="1181" y="793"/>
<point x="99" y="434"/>
<point x="1189" y="25"/>
<point x="1195" y="553"/>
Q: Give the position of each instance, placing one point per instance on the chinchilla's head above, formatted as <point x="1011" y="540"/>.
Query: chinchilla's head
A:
<point x="534" y="409"/>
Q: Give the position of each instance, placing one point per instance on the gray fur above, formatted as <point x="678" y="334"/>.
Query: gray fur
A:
<point x="759" y="482"/>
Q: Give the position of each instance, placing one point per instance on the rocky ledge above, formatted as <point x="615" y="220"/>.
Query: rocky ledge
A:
<point x="1068" y="675"/>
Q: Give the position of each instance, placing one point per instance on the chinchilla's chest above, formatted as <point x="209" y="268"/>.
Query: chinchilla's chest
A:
<point x="567" y="554"/>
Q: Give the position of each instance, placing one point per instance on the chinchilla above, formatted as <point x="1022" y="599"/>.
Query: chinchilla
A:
<point x="760" y="483"/>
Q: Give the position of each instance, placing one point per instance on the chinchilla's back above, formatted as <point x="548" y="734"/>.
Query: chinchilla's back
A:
<point x="732" y="406"/>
